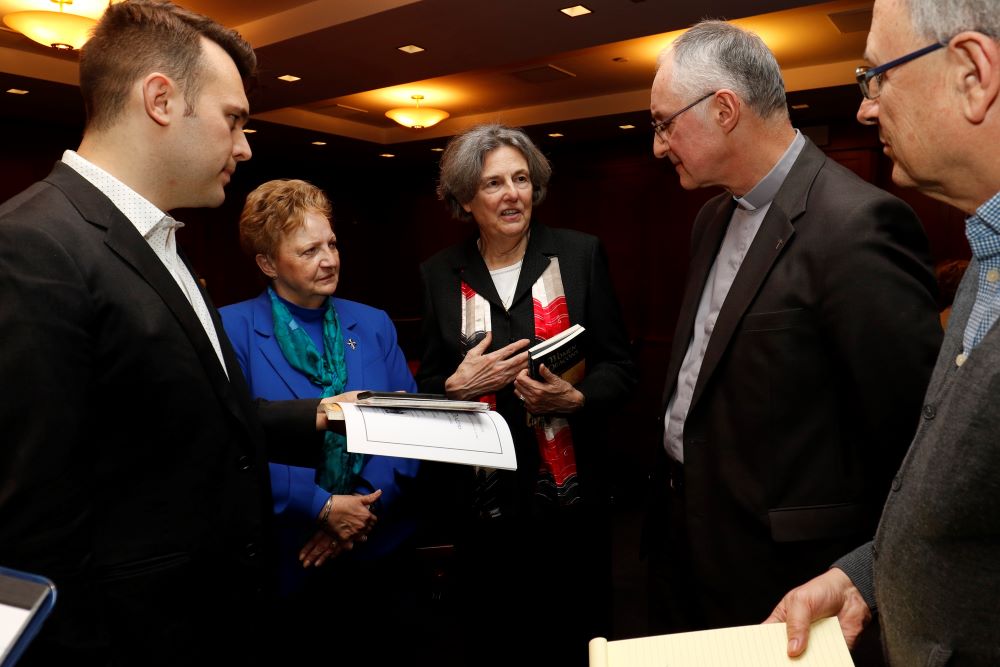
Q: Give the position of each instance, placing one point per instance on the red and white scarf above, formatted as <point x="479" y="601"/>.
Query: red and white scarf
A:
<point x="557" y="478"/>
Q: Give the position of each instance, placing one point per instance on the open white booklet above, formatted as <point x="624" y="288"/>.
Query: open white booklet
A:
<point x="473" y="438"/>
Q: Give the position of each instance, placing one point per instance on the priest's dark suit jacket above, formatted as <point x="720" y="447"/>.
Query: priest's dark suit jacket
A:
<point x="807" y="398"/>
<point x="132" y="469"/>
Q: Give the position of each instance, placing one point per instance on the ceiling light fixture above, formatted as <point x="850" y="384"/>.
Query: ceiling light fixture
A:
<point x="410" y="48"/>
<point x="319" y="143"/>
<point x="555" y="135"/>
<point x="417" y="117"/>
<point x="247" y="130"/>
<point x="17" y="91"/>
<point x="290" y="77"/>
<point x="627" y="127"/>
<point x="387" y="155"/>
<point x="575" y="10"/>
<point x="59" y="30"/>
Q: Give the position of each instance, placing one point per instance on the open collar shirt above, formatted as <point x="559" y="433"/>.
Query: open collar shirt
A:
<point x="157" y="228"/>
<point x="983" y="233"/>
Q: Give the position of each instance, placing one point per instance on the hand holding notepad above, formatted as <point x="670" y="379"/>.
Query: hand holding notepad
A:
<point x="746" y="646"/>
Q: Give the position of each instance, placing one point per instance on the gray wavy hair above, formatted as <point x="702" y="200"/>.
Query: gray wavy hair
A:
<point x="462" y="164"/>
<point x="714" y="54"/>
<point x="940" y="20"/>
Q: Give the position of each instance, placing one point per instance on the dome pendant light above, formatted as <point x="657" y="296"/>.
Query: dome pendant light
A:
<point x="66" y="32"/>
<point x="417" y="117"/>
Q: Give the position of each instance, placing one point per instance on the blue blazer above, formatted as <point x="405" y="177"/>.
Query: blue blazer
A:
<point x="374" y="361"/>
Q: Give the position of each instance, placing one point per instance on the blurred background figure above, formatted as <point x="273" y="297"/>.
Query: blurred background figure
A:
<point x="296" y="340"/>
<point x="949" y="275"/>
<point x="534" y="545"/>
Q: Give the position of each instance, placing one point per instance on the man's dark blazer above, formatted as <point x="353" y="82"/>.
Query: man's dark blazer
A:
<point x="808" y="394"/>
<point x="132" y="470"/>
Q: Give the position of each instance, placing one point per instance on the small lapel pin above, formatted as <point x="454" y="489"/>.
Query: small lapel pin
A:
<point x="353" y="343"/>
<point x="780" y="243"/>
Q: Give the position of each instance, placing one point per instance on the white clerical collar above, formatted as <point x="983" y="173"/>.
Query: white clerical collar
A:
<point x="768" y="187"/>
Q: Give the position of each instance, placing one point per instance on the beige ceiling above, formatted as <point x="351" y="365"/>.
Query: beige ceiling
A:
<point x="520" y="62"/>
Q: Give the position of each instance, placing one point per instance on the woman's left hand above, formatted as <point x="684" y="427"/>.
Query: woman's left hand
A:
<point x="321" y="547"/>
<point x="552" y="394"/>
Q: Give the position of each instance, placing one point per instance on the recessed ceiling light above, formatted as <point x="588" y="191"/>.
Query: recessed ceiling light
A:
<point x="319" y="143"/>
<point x="555" y="135"/>
<point x="386" y="155"/>
<point x="247" y="130"/>
<point x="289" y="77"/>
<point x="410" y="48"/>
<point x="437" y="150"/>
<point x="575" y="10"/>
<point x="799" y="107"/>
<point x="17" y="91"/>
<point x="627" y="127"/>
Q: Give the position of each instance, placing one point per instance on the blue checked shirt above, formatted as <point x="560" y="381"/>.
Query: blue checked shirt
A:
<point x="983" y="232"/>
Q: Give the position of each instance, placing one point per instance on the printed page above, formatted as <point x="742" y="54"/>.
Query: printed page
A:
<point x="472" y="438"/>
<point x="747" y="646"/>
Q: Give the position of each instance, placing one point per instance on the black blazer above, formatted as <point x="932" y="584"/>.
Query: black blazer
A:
<point x="591" y="301"/>
<point x="810" y="387"/>
<point x="132" y="470"/>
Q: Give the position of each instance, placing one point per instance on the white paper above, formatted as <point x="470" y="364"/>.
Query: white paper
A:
<point x="12" y="622"/>
<point x="472" y="438"/>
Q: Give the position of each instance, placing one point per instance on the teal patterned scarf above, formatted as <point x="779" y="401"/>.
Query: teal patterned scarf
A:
<point x="329" y="372"/>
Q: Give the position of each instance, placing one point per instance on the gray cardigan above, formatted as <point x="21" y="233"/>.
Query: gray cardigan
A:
<point x="934" y="568"/>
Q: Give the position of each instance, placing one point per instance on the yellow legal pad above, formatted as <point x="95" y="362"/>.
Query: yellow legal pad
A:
<point x="746" y="646"/>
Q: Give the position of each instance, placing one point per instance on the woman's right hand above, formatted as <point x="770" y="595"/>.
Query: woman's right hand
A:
<point x="483" y="372"/>
<point x="351" y="517"/>
<point x="349" y="520"/>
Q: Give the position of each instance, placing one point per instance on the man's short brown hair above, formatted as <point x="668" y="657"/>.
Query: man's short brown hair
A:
<point x="137" y="37"/>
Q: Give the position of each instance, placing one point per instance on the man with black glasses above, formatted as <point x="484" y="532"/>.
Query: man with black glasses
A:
<point x="932" y="573"/>
<point x="805" y="340"/>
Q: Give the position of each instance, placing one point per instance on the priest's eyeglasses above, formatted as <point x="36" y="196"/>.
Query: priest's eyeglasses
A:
<point x="661" y="128"/>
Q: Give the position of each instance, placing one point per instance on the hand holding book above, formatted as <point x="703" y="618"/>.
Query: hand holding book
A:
<point x="554" y="366"/>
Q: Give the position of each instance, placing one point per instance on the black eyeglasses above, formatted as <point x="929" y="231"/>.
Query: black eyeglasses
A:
<point x="870" y="78"/>
<point x="660" y="126"/>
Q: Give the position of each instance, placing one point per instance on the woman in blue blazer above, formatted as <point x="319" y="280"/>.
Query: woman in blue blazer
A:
<point x="296" y="340"/>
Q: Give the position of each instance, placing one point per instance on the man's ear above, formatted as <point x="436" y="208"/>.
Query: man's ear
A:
<point x="267" y="266"/>
<point x="975" y="62"/>
<point x="159" y="97"/>
<point x="726" y="109"/>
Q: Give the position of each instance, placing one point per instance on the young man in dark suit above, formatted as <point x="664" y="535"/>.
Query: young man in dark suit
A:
<point x="805" y="340"/>
<point x="133" y="470"/>
<point x="931" y="574"/>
